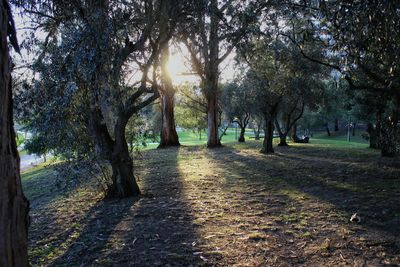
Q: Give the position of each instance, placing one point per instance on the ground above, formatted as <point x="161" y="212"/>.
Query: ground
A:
<point x="231" y="206"/>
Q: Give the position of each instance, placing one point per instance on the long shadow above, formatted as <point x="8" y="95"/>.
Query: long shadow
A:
<point x="380" y="211"/>
<point x="153" y="230"/>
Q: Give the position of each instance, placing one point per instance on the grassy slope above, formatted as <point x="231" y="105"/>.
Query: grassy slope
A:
<point x="227" y="206"/>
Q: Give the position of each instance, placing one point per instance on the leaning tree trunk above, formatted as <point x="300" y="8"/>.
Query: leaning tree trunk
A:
<point x="14" y="206"/>
<point x="169" y="136"/>
<point x="242" y="132"/>
<point x="268" y="137"/>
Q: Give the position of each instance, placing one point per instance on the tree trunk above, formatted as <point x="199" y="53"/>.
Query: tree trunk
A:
<point x="169" y="136"/>
<point x="389" y="138"/>
<point x="354" y="130"/>
<point x="212" y="76"/>
<point x="294" y="136"/>
<point x="14" y="206"/>
<point x="336" y="125"/>
<point x="373" y="133"/>
<point x="268" y="137"/>
<point x="282" y="140"/>
<point x="213" y="138"/>
<point x="241" y="136"/>
<point x="327" y="129"/>
<point x="124" y="182"/>
<point x="116" y="153"/>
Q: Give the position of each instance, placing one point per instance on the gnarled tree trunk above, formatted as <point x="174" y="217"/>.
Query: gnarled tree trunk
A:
<point x="169" y="136"/>
<point x="116" y="152"/>
<point x="14" y="206"/>
<point x="242" y="132"/>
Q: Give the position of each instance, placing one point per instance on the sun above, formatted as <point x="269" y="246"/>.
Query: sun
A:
<point x="177" y="69"/>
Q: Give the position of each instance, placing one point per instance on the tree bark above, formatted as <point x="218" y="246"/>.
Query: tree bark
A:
<point x="268" y="136"/>
<point x="327" y="129"/>
<point x="116" y="153"/>
<point x="389" y="137"/>
<point x="14" y="206"/>
<point x="212" y="122"/>
<point x="373" y="133"/>
<point x="124" y="182"/>
<point x="354" y="130"/>
<point x="257" y="130"/>
<point x="294" y="136"/>
<point x="169" y="136"/>
<point x="336" y="125"/>
<point x="282" y="140"/>
<point x="242" y="132"/>
<point x="212" y="76"/>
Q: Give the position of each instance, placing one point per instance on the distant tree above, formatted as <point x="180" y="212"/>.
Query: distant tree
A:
<point x="191" y="109"/>
<point x="237" y="102"/>
<point x="14" y="206"/>
<point x="210" y="36"/>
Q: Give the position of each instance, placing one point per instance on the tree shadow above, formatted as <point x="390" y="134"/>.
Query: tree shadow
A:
<point x="351" y="186"/>
<point x="303" y="200"/>
<point x="153" y="230"/>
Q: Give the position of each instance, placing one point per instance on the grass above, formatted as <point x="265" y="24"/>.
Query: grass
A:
<point x="190" y="138"/>
<point x="225" y="207"/>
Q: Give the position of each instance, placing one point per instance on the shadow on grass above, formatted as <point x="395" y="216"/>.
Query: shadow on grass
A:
<point x="355" y="189"/>
<point x="153" y="230"/>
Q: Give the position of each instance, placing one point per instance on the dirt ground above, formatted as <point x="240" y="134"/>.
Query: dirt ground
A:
<point x="230" y="206"/>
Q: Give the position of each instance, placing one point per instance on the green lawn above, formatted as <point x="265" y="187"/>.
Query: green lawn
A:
<point x="339" y="139"/>
<point x="190" y="138"/>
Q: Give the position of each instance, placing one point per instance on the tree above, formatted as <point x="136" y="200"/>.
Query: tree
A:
<point x="210" y="36"/>
<point x="168" y="136"/>
<point x="14" y="206"/>
<point x="97" y="62"/>
<point x="267" y="103"/>
<point x="191" y="109"/>
<point x="364" y="38"/>
<point x="237" y="102"/>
